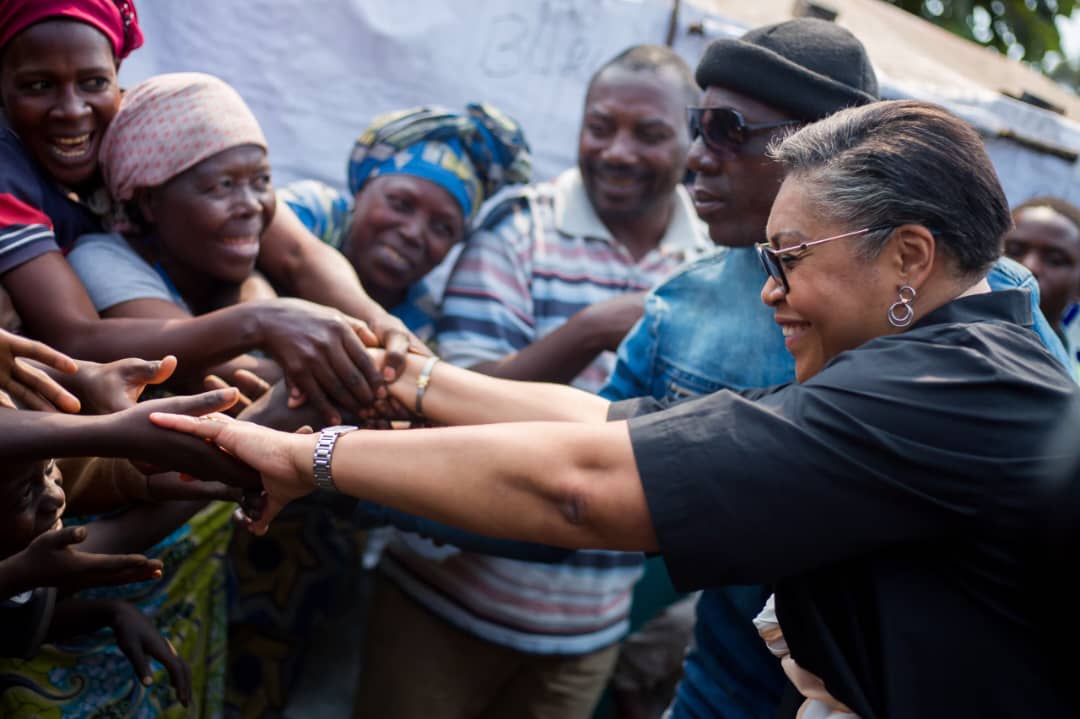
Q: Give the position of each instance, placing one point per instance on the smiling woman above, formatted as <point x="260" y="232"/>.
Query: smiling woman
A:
<point x="416" y="178"/>
<point x="910" y="465"/>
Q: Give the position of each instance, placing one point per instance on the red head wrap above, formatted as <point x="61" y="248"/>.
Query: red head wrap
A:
<point x="116" y="19"/>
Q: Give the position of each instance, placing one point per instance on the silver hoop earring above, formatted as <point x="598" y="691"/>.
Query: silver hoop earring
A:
<point x="900" y="313"/>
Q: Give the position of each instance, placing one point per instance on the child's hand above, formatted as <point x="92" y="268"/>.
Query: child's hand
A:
<point x="52" y="560"/>
<point x="139" y="639"/>
<point x="28" y="385"/>
<point x="116" y="386"/>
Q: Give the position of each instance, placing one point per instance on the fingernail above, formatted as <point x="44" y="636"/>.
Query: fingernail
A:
<point x="187" y="478"/>
<point x="147" y="681"/>
<point x="389" y="374"/>
<point x="380" y="392"/>
<point x="156" y="574"/>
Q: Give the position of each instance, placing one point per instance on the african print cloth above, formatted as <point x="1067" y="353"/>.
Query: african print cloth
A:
<point x="88" y="677"/>
<point x="471" y="155"/>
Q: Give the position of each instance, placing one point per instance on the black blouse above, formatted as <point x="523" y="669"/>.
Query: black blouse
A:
<point x="894" y="500"/>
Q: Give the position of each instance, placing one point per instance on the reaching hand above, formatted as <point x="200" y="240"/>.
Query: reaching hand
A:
<point x="138" y="639"/>
<point x="116" y="386"/>
<point x="52" y="560"/>
<point x="268" y="451"/>
<point x="250" y="385"/>
<point x="397" y="341"/>
<point x="131" y="435"/>
<point x="321" y="352"/>
<point x="29" y="385"/>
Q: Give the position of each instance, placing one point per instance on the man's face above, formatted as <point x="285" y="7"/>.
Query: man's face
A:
<point x="734" y="188"/>
<point x="1048" y="244"/>
<point x="633" y="142"/>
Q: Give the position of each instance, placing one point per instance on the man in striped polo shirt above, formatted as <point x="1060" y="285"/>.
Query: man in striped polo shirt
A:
<point x="545" y="289"/>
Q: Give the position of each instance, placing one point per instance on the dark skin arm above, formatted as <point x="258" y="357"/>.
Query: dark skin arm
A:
<point x="321" y="350"/>
<point x="139" y="528"/>
<point x="26" y="436"/>
<point x="560" y="356"/>
<point x="55" y="559"/>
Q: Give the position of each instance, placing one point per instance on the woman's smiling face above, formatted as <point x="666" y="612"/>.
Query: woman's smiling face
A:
<point x="837" y="299"/>
<point x="59" y="91"/>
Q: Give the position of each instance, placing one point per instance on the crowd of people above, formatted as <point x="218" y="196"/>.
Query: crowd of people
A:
<point x="785" y="334"/>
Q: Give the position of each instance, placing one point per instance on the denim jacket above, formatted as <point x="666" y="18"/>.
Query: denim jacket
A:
<point x="705" y="329"/>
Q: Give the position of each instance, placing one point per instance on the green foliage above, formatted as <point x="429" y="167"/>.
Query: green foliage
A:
<point x="1022" y="29"/>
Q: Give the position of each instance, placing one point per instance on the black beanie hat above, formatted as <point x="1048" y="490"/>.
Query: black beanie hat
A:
<point x="808" y="68"/>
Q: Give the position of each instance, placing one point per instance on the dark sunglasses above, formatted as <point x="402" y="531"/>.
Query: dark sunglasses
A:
<point x="772" y="260"/>
<point x="722" y="128"/>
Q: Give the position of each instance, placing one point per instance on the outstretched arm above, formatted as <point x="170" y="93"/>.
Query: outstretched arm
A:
<point x="456" y="396"/>
<point x="561" y="483"/>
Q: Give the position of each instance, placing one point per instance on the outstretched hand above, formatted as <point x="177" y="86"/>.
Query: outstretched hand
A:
<point x="131" y="435"/>
<point x="28" y="385"/>
<point x="54" y="560"/>
<point x="116" y="386"/>
<point x="139" y="640"/>
<point x="269" y="452"/>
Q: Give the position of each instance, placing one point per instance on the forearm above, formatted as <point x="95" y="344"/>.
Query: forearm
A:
<point x="568" y="485"/>
<point x="73" y="617"/>
<point x="297" y="262"/>
<point x="198" y="342"/>
<point x="456" y="396"/>
<point x="558" y="356"/>
<point x="139" y="528"/>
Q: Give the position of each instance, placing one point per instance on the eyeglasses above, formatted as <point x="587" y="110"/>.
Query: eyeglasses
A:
<point x="723" y="128"/>
<point x="774" y="265"/>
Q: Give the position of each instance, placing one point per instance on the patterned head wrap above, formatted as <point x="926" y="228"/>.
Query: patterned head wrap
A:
<point x="170" y="123"/>
<point x="116" y="19"/>
<point x="471" y="155"/>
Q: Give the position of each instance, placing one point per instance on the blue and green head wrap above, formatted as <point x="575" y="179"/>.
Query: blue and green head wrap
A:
<point x="471" y="155"/>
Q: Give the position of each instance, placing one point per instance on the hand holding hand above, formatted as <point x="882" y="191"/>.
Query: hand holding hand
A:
<point x="269" y="452"/>
<point x="130" y="434"/>
<point x="322" y="354"/>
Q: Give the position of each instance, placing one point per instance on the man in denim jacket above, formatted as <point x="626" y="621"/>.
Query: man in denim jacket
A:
<point x="706" y="328"/>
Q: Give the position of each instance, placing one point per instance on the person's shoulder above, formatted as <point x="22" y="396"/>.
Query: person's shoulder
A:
<point x="704" y="269"/>
<point x="514" y="203"/>
<point x="16" y="168"/>
<point x="92" y="251"/>
<point x="310" y="192"/>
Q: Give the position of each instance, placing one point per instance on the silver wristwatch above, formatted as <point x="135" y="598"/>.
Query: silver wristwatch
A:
<point x="324" y="451"/>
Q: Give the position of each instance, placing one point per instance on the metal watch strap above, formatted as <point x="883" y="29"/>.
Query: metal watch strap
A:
<point x="324" y="452"/>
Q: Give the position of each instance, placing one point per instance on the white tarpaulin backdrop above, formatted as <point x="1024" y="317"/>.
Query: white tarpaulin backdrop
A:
<point x="315" y="72"/>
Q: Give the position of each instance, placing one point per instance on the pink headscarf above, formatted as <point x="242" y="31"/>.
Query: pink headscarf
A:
<point x="116" y="19"/>
<point x="170" y="123"/>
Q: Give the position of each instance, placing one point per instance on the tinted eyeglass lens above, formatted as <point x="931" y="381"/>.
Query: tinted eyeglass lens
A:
<point x="723" y="126"/>
<point x="772" y="266"/>
<point x="718" y="127"/>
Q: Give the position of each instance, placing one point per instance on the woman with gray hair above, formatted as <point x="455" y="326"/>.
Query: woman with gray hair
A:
<point x="893" y="495"/>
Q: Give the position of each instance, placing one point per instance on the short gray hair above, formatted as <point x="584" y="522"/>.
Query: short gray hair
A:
<point x="903" y="162"/>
